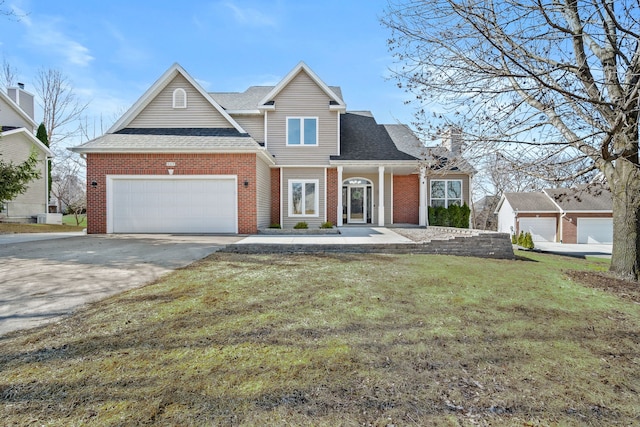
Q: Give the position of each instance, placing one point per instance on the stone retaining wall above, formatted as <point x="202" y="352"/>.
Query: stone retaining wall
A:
<point x="490" y="245"/>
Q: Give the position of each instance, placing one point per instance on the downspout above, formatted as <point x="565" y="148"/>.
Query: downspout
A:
<point x="561" y="231"/>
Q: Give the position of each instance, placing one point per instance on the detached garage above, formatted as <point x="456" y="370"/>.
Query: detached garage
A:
<point x="541" y="229"/>
<point x="595" y="230"/>
<point x="172" y="204"/>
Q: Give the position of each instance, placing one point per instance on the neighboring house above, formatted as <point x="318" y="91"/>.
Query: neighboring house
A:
<point x="17" y="141"/>
<point x="184" y="160"/>
<point x="567" y="215"/>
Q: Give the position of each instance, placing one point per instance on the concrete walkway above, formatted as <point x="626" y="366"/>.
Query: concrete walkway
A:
<point x="347" y="236"/>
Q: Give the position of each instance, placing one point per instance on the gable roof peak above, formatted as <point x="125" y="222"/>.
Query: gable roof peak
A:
<point x="162" y="82"/>
<point x="337" y="103"/>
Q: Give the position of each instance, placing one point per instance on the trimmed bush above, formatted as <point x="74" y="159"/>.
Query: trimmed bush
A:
<point x="453" y="216"/>
<point x="327" y="224"/>
<point x="301" y="226"/>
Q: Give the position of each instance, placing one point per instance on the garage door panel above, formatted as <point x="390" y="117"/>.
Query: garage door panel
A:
<point x="595" y="230"/>
<point x="174" y="205"/>
<point x="541" y="229"/>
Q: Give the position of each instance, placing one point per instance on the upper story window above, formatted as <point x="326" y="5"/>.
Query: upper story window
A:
<point x="179" y="98"/>
<point x="302" y="131"/>
<point x="446" y="192"/>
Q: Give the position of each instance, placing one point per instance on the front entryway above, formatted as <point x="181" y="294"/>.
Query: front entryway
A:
<point x="357" y="201"/>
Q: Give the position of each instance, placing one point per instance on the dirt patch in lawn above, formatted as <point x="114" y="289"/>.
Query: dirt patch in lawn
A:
<point x="606" y="282"/>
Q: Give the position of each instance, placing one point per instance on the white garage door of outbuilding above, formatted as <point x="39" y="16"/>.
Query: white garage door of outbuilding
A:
<point x="177" y="204"/>
<point x="595" y="230"/>
<point x="541" y="229"/>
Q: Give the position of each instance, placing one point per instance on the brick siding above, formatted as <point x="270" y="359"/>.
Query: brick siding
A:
<point x="275" y="196"/>
<point x="406" y="199"/>
<point x="332" y="195"/>
<point x="99" y="165"/>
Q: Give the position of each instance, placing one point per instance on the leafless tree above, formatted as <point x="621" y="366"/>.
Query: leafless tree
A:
<point x="7" y="74"/>
<point x="68" y="189"/>
<point x="62" y="110"/>
<point x="555" y="82"/>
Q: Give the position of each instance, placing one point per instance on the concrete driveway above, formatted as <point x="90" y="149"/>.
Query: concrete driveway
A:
<point x="581" y="250"/>
<point x="43" y="280"/>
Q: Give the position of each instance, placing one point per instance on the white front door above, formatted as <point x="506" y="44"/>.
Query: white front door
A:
<point x="357" y="212"/>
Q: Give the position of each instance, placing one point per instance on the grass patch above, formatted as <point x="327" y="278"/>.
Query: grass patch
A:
<point x="81" y="221"/>
<point x="9" y="228"/>
<point x="338" y="340"/>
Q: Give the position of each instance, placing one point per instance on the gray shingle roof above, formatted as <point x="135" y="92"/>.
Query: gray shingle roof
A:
<point x="183" y="131"/>
<point x="595" y="197"/>
<point x="531" y="202"/>
<point x="407" y="141"/>
<point x="117" y="142"/>
<point x="250" y="98"/>
<point x="361" y="138"/>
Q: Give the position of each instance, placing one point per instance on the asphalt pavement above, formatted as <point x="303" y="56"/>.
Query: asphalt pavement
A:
<point x="43" y="279"/>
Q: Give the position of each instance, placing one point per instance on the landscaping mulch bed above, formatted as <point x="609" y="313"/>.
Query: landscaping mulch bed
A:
<point x="606" y="282"/>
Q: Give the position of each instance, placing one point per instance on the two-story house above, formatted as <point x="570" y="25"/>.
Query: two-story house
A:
<point x="183" y="160"/>
<point x="17" y="142"/>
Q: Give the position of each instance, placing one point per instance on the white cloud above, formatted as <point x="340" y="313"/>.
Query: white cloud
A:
<point x="46" y="36"/>
<point x="250" y="16"/>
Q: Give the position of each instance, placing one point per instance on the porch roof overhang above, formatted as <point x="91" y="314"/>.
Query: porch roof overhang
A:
<point x="399" y="167"/>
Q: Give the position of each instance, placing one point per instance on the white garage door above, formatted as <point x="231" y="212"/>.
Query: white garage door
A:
<point x="173" y="205"/>
<point x="595" y="230"/>
<point x="541" y="229"/>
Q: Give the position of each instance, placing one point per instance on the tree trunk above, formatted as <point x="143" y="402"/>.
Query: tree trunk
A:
<point x="625" y="189"/>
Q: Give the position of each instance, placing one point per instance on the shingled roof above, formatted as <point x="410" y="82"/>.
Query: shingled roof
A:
<point x="183" y="132"/>
<point x="531" y="202"/>
<point x="361" y="138"/>
<point x="594" y="197"/>
<point x="249" y="99"/>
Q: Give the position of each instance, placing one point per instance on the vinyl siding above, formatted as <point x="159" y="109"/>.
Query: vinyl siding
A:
<point x="253" y="125"/>
<point x="506" y="219"/>
<point x="160" y="112"/>
<point x="303" y="173"/>
<point x="263" y="195"/>
<point x="9" y="117"/>
<point x="302" y="98"/>
<point x="16" y="148"/>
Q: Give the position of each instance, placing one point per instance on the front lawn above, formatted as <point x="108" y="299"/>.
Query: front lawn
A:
<point x="69" y="223"/>
<point x="338" y="340"/>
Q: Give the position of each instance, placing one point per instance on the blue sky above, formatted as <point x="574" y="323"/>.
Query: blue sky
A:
<point x="112" y="51"/>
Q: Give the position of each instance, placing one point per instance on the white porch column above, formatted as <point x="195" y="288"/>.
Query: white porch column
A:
<point x="340" y="207"/>
<point x="423" y="218"/>
<point x="380" y="196"/>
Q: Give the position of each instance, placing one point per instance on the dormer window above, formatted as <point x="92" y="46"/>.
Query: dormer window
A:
<point x="179" y="98"/>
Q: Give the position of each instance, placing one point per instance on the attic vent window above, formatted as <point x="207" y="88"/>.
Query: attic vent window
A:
<point x="179" y="98"/>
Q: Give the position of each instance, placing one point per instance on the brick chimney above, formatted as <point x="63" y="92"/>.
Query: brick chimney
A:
<point x="23" y="98"/>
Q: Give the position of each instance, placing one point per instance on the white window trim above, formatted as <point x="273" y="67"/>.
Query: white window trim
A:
<point x="176" y="93"/>
<point x="446" y="193"/>
<point x="316" y="182"/>
<point x="302" y="119"/>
